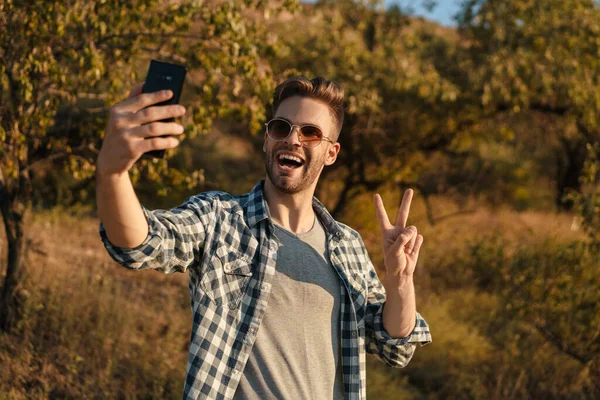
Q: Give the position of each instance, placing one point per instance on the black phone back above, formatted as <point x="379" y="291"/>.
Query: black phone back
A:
<point x="163" y="76"/>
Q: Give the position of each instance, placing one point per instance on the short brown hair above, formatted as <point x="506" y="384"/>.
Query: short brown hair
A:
<point x="329" y="92"/>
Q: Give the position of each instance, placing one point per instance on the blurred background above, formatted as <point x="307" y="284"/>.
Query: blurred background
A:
<point x="489" y="109"/>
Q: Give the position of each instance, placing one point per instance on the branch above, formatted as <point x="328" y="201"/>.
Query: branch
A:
<point x="548" y="109"/>
<point x="13" y="90"/>
<point x="83" y="95"/>
<point x="3" y="184"/>
<point x="429" y="209"/>
<point x="150" y="34"/>
<point x="56" y="156"/>
<point x="454" y="214"/>
<point x="173" y="56"/>
<point x="444" y="140"/>
<point x="555" y="339"/>
<point x="584" y="131"/>
<point x="207" y="41"/>
<point x="343" y="197"/>
<point x="102" y="42"/>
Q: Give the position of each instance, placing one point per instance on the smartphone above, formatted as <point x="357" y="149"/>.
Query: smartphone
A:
<point x="163" y="76"/>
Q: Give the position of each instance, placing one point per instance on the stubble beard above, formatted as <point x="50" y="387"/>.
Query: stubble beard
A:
<point x="309" y="172"/>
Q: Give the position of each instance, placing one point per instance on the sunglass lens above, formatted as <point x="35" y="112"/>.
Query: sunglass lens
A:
<point x="278" y="129"/>
<point x="311" y="135"/>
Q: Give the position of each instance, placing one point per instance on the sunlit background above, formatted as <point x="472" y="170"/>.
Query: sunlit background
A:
<point x="494" y="122"/>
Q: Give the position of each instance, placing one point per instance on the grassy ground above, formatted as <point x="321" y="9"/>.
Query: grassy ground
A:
<point x="92" y="329"/>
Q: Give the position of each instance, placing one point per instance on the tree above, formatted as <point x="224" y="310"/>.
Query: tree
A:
<point x="543" y="56"/>
<point x="587" y="203"/>
<point x="63" y="63"/>
<point x="548" y="301"/>
<point x="421" y="97"/>
<point x="397" y="102"/>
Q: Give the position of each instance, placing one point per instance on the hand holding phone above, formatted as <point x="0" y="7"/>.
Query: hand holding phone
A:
<point x="135" y="126"/>
<point x="164" y="76"/>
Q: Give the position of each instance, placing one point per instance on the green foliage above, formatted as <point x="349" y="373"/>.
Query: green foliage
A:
<point x="383" y="385"/>
<point x="454" y="364"/>
<point x="537" y="52"/>
<point x="420" y="97"/>
<point x="503" y="110"/>
<point x="539" y="55"/>
<point x="398" y="101"/>
<point x="64" y="63"/>
<point x="549" y="303"/>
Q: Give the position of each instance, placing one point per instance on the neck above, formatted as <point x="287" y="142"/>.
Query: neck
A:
<point x="293" y="212"/>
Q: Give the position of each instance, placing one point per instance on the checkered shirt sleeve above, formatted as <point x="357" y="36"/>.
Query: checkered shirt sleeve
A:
<point x="174" y="241"/>
<point x="395" y="352"/>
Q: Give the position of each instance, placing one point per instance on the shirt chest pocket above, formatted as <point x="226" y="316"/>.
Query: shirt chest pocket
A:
<point x="226" y="274"/>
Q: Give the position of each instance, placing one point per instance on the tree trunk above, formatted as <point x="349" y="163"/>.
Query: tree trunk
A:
<point x="10" y="294"/>
<point x="14" y="206"/>
<point x="570" y="167"/>
<point x="343" y="197"/>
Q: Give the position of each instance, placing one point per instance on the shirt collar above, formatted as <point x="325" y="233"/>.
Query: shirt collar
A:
<point x="257" y="209"/>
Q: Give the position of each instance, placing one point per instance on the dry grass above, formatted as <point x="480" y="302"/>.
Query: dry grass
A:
<point x="92" y="329"/>
<point x="450" y="234"/>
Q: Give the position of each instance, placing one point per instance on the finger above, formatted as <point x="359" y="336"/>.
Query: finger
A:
<point x="409" y="246"/>
<point x="417" y="246"/>
<point x="156" y="129"/>
<point x="404" y="208"/>
<point x="156" y="113"/>
<point x="143" y="100"/>
<point x="402" y="240"/>
<point x="157" y="143"/>
<point x="384" y="221"/>
<point x="136" y="90"/>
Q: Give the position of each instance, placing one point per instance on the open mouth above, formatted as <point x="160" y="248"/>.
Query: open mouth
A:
<point x="288" y="161"/>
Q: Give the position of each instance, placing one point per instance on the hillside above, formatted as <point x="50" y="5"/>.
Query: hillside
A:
<point x="95" y="330"/>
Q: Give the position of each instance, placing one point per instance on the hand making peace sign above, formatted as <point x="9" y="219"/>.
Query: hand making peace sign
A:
<point x="401" y="244"/>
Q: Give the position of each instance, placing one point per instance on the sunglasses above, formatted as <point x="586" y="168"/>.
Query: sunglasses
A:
<point x="309" y="135"/>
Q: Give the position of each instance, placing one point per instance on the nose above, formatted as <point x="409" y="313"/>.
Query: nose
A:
<point x="294" y="137"/>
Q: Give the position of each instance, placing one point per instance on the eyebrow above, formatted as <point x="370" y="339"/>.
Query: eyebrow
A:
<point x="284" y="118"/>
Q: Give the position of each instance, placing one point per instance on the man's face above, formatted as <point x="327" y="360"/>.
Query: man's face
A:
<point x="286" y="175"/>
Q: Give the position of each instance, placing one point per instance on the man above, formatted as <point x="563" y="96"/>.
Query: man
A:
<point x="285" y="300"/>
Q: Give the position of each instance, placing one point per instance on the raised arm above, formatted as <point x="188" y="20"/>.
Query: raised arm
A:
<point x="131" y="131"/>
<point x="134" y="236"/>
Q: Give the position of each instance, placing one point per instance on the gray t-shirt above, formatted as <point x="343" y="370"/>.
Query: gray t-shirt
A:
<point x="297" y="354"/>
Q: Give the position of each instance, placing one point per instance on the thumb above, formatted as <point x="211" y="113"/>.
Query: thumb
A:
<point x="405" y="236"/>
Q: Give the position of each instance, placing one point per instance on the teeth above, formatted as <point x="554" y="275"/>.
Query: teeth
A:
<point x="289" y="157"/>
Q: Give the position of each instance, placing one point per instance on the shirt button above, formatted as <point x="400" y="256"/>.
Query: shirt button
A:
<point x="234" y="304"/>
<point x="353" y="333"/>
<point x="264" y="287"/>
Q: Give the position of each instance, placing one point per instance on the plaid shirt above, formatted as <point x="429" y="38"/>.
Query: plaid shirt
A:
<point x="228" y="246"/>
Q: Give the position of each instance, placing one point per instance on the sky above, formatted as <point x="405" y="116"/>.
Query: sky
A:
<point x="442" y="12"/>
